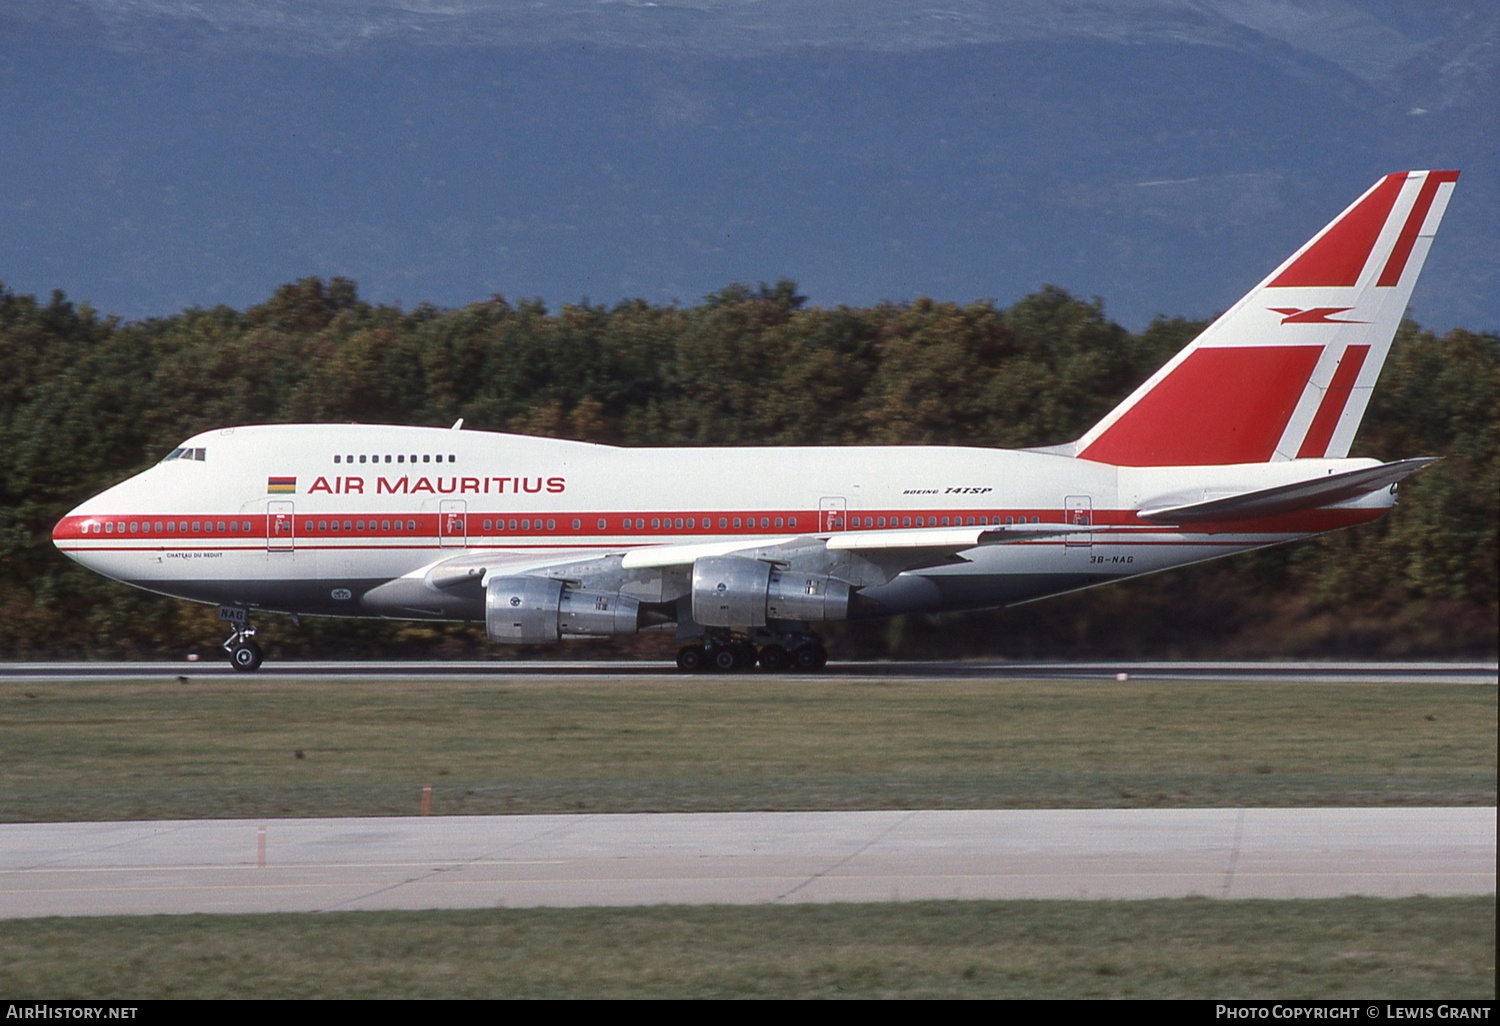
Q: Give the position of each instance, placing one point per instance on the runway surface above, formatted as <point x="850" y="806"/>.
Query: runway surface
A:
<point x="308" y="865"/>
<point x="215" y="667"/>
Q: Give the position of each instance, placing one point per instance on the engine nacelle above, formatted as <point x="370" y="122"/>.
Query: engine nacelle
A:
<point x="733" y="591"/>
<point x="536" y="610"/>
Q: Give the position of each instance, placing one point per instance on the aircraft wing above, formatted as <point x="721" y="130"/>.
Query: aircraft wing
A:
<point x="473" y="566"/>
<point x="1265" y="502"/>
<point x="895" y="550"/>
<point x="928" y="545"/>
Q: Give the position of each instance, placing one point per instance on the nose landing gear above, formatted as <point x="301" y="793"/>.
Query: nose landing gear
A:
<point x="244" y="654"/>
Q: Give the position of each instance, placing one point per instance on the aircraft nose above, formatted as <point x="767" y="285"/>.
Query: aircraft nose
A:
<point x="60" y="532"/>
<point x="66" y="532"/>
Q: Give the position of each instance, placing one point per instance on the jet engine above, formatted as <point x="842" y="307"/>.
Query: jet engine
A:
<point x="733" y="591"/>
<point x="531" y="610"/>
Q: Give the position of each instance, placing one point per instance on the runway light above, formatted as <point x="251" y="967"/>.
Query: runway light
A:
<point x="192" y="657"/>
<point x="1122" y="676"/>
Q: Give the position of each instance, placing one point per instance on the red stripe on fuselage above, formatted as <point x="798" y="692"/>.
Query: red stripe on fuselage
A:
<point x="1110" y="527"/>
<point x="1221" y="405"/>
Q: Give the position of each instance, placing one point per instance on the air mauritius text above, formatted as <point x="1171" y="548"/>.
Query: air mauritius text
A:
<point x="407" y="485"/>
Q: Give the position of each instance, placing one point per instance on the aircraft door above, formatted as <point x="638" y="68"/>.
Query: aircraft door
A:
<point x="281" y="525"/>
<point x="1079" y="512"/>
<point x="833" y="513"/>
<point x="452" y="523"/>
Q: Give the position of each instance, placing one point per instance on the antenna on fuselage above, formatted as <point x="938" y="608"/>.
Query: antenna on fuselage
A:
<point x="457" y="424"/>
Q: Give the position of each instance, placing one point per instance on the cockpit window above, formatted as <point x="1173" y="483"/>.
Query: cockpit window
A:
<point x="185" y="454"/>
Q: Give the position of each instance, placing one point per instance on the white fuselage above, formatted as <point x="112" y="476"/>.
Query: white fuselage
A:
<point x="314" y="518"/>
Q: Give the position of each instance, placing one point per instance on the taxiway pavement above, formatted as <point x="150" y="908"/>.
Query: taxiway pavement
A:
<point x="314" y="865"/>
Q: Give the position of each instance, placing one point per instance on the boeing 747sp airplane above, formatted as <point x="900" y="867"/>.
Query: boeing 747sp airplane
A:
<point x="1239" y="442"/>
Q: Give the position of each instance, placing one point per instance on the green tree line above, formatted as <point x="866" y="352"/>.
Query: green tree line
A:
<point x="86" y="400"/>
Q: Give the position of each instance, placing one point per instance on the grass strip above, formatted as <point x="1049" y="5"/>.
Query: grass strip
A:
<point x="110" y="750"/>
<point x="1184" y="948"/>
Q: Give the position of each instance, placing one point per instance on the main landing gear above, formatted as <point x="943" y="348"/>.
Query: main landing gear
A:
<point x="803" y="652"/>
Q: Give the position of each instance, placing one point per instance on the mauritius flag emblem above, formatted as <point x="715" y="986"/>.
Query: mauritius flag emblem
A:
<point x="281" y="486"/>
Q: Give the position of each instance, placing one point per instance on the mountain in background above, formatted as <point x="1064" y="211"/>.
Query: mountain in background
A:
<point x="1162" y="154"/>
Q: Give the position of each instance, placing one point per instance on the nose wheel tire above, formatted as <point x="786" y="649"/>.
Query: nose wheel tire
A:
<point x="246" y="656"/>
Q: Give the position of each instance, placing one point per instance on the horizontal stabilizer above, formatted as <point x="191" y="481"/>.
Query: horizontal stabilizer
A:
<point x="1265" y="502"/>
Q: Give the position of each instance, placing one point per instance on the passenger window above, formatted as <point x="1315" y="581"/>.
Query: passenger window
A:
<point x="577" y="525"/>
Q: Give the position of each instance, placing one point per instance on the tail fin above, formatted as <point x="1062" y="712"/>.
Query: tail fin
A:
<point x="1287" y="372"/>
